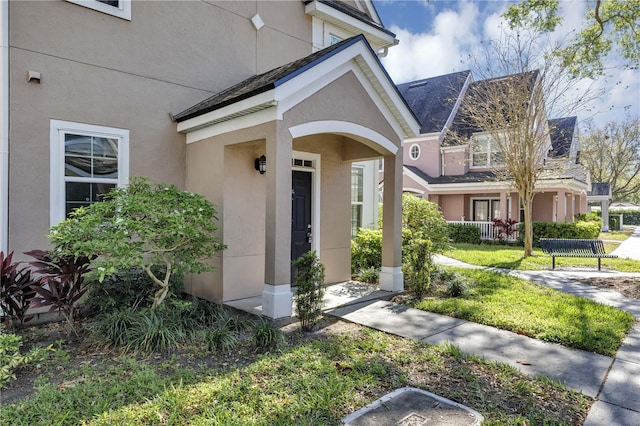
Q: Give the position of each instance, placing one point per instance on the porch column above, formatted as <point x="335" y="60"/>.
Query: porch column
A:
<point x="504" y="215"/>
<point x="391" y="277"/>
<point x="570" y="211"/>
<point x="561" y="212"/>
<point x="605" y="215"/>
<point x="277" y="296"/>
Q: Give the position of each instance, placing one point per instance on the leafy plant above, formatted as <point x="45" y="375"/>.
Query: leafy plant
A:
<point x="265" y="336"/>
<point x="154" y="331"/>
<point x="17" y="289"/>
<point x="11" y="359"/>
<point x="113" y="327"/>
<point x="464" y="233"/>
<point x="156" y="227"/>
<point x="310" y="289"/>
<point x="504" y="229"/>
<point x="128" y="287"/>
<point x="366" y="250"/>
<point x="221" y="338"/>
<point x="418" y="265"/>
<point x="369" y="275"/>
<point x="62" y="282"/>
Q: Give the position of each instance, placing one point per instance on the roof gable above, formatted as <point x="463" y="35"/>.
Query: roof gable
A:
<point x="561" y="131"/>
<point x="433" y="99"/>
<point x="282" y="88"/>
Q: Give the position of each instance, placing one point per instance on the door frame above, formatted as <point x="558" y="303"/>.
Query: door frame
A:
<point x="315" y="191"/>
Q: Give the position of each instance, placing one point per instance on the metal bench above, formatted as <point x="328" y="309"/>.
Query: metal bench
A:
<point x="561" y="247"/>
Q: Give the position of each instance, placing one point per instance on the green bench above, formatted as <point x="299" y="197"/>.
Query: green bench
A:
<point x="562" y="247"/>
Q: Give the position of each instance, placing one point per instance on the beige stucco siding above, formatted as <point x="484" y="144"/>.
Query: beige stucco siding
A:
<point x="455" y="163"/>
<point x="543" y="207"/>
<point x="102" y="70"/>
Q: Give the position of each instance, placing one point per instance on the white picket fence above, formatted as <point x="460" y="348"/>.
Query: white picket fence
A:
<point x="487" y="230"/>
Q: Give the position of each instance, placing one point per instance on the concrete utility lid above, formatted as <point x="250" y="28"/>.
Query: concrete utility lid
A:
<point x="413" y="407"/>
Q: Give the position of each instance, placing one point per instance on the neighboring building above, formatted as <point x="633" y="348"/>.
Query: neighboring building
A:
<point x="192" y="93"/>
<point x="600" y="194"/>
<point x="458" y="173"/>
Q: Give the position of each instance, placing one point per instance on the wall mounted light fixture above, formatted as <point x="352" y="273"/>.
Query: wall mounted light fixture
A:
<point x="261" y="164"/>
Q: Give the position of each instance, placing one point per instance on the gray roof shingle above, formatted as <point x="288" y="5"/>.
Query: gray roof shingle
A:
<point x="432" y="99"/>
<point x="561" y="131"/>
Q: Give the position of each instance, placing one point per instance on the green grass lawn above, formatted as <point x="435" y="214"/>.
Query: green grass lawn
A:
<point x="510" y="257"/>
<point x="310" y="381"/>
<point x="531" y="309"/>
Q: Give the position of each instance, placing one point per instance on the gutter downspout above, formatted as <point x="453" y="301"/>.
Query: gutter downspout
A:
<point x="4" y="125"/>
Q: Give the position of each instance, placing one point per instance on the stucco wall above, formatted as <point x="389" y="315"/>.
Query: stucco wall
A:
<point x="429" y="160"/>
<point x="103" y="70"/>
<point x="452" y="206"/>
<point x="543" y="207"/>
<point x="455" y="163"/>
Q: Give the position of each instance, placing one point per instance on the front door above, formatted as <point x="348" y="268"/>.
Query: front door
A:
<point x="301" y="216"/>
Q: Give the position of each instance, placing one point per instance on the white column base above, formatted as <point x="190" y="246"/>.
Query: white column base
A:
<point x="277" y="301"/>
<point x="391" y="278"/>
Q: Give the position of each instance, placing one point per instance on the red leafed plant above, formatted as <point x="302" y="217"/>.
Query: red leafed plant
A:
<point x="506" y="228"/>
<point x="62" y="282"/>
<point x="17" y="290"/>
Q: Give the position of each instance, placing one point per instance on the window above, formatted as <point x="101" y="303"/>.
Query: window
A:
<point x="414" y="152"/>
<point x="485" y="210"/>
<point x="357" y="195"/>
<point x="485" y="152"/>
<point x="119" y="8"/>
<point x="334" y="39"/>
<point x="86" y="162"/>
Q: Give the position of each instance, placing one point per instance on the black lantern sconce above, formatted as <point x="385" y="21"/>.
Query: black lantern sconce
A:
<point x="261" y="164"/>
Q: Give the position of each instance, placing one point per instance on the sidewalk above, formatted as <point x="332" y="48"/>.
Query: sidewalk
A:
<point x="630" y="248"/>
<point x="613" y="382"/>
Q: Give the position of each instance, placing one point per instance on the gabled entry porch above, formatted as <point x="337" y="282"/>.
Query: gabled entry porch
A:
<point x="309" y="120"/>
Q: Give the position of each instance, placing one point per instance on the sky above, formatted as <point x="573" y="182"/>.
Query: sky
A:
<point x="438" y="36"/>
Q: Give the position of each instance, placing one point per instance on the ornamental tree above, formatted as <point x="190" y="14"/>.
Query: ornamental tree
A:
<point x="156" y="227"/>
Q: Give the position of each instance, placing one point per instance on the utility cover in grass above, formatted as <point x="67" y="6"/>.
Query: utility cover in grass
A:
<point x="413" y="407"/>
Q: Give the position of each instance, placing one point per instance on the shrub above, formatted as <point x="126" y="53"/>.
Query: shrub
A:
<point x="265" y="336"/>
<point x="154" y="331"/>
<point x="614" y="223"/>
<point x="129" y="287"/>
<point x="370" y="275"/>
<point x="17" y="290"/>
<point x="366" y="250"/>
<point x="424" y="220"/>
<point x="62" y="282"/>
<point x="588" y="217"/>
<point x="157" y="227"/>
<point x="464" y="233"/>
<point x="578" y="230"/>
<point x="418" y="266"/>
<point x="113" y="327"/>
<point x="11" y="359"/>
<point x="221" y="338"/>
<point x="310" y="289"/>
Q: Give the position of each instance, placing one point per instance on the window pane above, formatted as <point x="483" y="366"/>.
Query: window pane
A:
<point x="495" y="207"/>
<point x="497" y="158"/>
<point x="114" y="3"/>
<point x="357" y="184"/>
<point x="84" y="194"/>
<point x="479" y="159"/>
<point x="356" y="218"/>
<point x="481" y="210"/>
<point x="105" y="157"/>
<point x="78" y="191"/>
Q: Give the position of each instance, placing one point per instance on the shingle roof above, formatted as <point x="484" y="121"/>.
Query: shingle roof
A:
<point x="462" y="127"/>
<point x="264" y="82"/>
<point x="432" y="99"/>
<point x="354" y="13"/>
<point x="561" y="132"/>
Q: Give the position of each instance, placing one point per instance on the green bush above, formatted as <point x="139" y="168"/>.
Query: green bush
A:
<point x="127" y="288"/>
<point x="154" y="331"/>
<point x="11" y="359"/>
<point x="310" y="289"/>
<point x="630" y="217"/>
<point x="370" y="275"/>
<point x="464" y="233"/>
<point x="366" y="250"/>
<point x="265" y="336"/>
<point x="614" y="223"/>
<point x="418" y="265"/>
<point x="578" y="230"/>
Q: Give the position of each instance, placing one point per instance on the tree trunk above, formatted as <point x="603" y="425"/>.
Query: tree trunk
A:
<point x="528" y="225"/>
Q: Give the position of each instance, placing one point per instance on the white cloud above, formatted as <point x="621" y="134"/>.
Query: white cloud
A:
<point x="439" y="51"/>
<point x="457" y="31"/>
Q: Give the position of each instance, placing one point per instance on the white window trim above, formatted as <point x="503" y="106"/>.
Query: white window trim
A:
<point x="57" y="131"/>
<point x="411" y="151"/>
<point x="124" y="11"/>
<point x="490" y="153"/>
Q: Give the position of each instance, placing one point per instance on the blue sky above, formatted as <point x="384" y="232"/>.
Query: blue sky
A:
<point x="437" y="37"/>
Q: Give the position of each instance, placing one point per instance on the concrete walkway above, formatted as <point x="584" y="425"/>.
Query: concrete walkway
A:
<point x="630" y="248"/>
<point x="613" y="381"/>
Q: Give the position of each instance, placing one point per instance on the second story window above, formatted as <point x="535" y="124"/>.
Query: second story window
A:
<point x="485" y="152"/>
